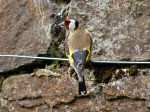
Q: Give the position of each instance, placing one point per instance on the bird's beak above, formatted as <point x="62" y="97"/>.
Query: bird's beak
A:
<point x="61" y="24"/>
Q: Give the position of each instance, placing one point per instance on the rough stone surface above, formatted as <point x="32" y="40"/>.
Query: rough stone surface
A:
<point x="133" y="88"/>
<point x="120" y="28"/>
<point x="100" y="105"/>
<point x="59" y="94"/>
<point x="25" y="91"/>
<point x="20" y="33"/>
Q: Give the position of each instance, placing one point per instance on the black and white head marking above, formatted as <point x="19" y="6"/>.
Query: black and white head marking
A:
<point x="74" y="24"/>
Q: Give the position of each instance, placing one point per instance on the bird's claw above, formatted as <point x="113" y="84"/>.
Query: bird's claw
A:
<point x="83" y="93"/>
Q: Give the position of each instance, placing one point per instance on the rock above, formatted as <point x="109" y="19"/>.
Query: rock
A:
<point x="100" y="105"/>
<point x="59" y="94"/>
<point x="132" y="88"/>
<point x="45" y="72"/>
<point x="29" y="103"/>
<point x="27" y="28"/>
<point x="123" y="96"/>
<point x="120" y="29"/>
<point x="20" y="34"/>
<point x="25" y="92"/>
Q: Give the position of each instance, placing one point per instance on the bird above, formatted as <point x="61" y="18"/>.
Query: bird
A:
<point x="79" y="43"/>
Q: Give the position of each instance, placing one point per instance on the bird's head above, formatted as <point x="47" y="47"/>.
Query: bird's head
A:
<point x="71" y="24"/>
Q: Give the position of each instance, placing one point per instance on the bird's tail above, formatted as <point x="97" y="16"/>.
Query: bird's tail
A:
<point x="80" y="76"/>
<point x="82" y="87"/>
<point x="79" y="58"/>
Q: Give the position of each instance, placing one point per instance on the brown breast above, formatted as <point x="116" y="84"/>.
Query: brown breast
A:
<point x="79" y="39"/>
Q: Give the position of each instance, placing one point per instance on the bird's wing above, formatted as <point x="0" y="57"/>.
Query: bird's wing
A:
<point x="80" y="40"/>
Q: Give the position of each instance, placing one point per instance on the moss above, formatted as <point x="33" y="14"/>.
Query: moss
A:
<point x="1" y="81"/>
<point x="133" y="71"/>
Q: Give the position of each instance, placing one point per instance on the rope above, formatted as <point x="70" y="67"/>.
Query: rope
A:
<point x="65" y="59"/>
<point x="123" y="62"/>
<point x="34" y="57"/>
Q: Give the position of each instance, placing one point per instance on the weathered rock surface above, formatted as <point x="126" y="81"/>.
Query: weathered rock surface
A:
<point x="101" y="105"/>
<point x="59" y="94"/>
<point x="132" y="88"/>
<point x="25" y="92"/>
<point x="20" y="33"/>
<point x="128" y="94"/>
<point x="28" y="27"/>
<point x="120" y="28"/>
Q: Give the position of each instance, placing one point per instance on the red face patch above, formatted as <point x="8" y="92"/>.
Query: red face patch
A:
<point x="67" y="22"/>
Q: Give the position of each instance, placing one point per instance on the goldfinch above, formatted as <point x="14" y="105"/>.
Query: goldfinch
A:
<point x="79" y="43"/>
